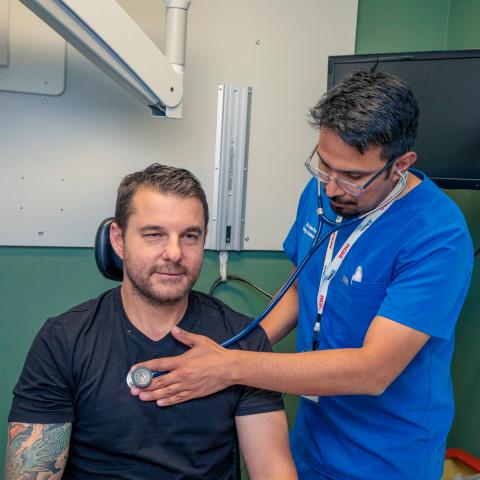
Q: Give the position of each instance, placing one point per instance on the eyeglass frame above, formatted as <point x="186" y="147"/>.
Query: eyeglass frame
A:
<point x="359" y="188"/>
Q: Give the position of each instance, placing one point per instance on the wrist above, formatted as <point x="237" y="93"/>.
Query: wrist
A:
<point x="233" y="369"/>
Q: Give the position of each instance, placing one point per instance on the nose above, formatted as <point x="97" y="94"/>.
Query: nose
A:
<point x="332" y="189"/>
<point x="173" y="250"/>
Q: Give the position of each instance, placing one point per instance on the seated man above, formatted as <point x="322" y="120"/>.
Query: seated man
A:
<point x="73" y="415"/>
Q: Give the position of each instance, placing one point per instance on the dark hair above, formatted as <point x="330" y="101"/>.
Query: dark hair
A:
<point x="165" y="180"/>
<point x="370" y="109"/>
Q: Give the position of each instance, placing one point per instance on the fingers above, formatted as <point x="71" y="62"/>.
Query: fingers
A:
<point x="157" y="383"/>
<point x="164" y="394"/>
<point x="166" y="364"/>
<point x="185" y="375"/>
<point x="187" y="338"/>
<point x="166" y="390"/>
<point x="170" y="363"/>
<point x="174" y="399"/>
<point x="171" y="394"/>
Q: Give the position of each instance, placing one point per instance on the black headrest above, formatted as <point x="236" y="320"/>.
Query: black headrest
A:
<point x="108" y="262"/>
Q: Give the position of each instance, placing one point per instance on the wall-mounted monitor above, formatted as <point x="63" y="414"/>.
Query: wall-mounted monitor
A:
<point x="447" y="87"/>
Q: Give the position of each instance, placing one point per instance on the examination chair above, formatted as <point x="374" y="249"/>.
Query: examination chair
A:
<point x="111" y="267"/>
<point x="108" y="262"/>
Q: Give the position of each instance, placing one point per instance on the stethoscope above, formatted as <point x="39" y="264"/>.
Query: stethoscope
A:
<point x="142" y="376"/>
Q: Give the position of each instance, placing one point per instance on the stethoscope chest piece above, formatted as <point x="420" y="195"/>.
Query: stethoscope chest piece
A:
<point x="140" y="377"/>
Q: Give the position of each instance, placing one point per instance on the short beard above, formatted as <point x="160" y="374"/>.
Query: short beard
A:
<point x="351" y="214"/>
<point x="142" y="286"/>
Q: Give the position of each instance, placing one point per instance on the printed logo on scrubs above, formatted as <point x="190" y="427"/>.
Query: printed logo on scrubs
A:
<point x="309" y="230"/>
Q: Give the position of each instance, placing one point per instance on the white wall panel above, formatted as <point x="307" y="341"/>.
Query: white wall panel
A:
<point x="62" y="157"/>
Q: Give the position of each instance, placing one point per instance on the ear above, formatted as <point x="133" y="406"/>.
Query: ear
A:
<point x="404" y="162"/>
<point x="116" y="239"/>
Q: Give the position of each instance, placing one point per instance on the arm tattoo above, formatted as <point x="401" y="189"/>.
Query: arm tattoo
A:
<point x="37" y="451"/>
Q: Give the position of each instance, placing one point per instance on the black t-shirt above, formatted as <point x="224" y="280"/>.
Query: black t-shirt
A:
<point x="75" y="372"/>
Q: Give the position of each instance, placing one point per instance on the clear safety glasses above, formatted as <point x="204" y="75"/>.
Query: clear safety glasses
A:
<point x="348" y="187"/>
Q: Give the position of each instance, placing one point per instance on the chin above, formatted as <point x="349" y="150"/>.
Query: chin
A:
<point x="167" y="298"/>
<point x="173" y="295"/>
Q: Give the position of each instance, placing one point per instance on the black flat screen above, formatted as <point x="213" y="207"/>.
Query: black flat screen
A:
<point x="447" y="87"/>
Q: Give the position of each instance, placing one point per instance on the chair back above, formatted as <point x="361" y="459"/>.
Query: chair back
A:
<point x="108" y="262"/>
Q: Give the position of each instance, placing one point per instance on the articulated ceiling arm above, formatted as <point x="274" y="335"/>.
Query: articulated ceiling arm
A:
<point x="106" y="35"/>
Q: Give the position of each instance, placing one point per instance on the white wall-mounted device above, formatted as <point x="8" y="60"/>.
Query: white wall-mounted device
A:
<point x="230" y="174"/>
<point x="107" y="36"/>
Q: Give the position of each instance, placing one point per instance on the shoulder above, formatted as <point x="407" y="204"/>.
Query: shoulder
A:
<point x="78" y="318"/>
<point x="306" y="205"/>
<point x="209" y="305"/>
<point x="307" y="197"/>
<point x="427" y="195"/>
<point x="220" y="322"/>
<point x="433" y="216"/>
<point x="432" y="236"/>
<point x="309" y="193"/>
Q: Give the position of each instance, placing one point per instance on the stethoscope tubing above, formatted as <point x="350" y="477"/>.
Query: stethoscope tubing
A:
<point x="316" y="243"/>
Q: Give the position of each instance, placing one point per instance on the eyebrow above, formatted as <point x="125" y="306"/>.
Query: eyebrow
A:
<point x="194" y="229"/>
<point x="157" y="228"/>
<point x="354" y="172"/>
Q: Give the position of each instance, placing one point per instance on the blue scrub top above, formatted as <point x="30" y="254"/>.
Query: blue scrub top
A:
<point x="416" y="261"/>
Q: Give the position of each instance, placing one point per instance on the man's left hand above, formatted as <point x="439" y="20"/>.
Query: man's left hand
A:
<point x="200" y="371"/>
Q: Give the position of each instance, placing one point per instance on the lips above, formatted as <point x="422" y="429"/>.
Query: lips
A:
<point x="170" y="274"/>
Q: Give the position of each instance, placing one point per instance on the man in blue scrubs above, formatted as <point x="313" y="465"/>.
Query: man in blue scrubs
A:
<point x="375" y="308"/>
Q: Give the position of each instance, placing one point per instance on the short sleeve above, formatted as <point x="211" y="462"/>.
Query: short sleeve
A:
<point x="254" y="400"/>
<point x="431" y="281"/>
<point x="290" y="244"/>
<point x="44" y="392"/>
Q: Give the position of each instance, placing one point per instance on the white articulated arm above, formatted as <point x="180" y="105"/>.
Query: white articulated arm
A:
<point x="107" y="35"/>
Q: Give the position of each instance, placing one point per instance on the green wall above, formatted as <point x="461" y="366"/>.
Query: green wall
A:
<point x="39" y="282"/>
<point x="463" y="25"/>
<point x="385" y="26"/>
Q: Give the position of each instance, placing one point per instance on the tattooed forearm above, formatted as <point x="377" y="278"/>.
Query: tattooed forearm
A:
<point x="37" y="451"/>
